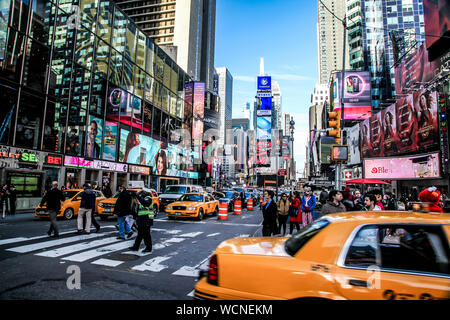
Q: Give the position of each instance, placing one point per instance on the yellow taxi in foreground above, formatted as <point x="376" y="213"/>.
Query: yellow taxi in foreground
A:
<point x="105" y="208"/>
<point x="355" y="255"/>
<point x="195" y="205"/>
<point x="70" y="206"/>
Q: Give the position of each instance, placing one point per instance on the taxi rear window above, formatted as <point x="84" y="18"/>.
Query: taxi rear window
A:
<point x="297" y="241"/>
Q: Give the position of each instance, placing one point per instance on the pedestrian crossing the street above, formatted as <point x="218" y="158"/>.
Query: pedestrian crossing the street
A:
<point x="95" y="249"/>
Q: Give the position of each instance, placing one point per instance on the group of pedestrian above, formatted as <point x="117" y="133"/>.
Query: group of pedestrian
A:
<point x="298" y="209"/>
<point x="8" y="199"/>
<point x="138" y="206"/>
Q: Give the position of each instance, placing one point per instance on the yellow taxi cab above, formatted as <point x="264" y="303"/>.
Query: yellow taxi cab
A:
<point x="352" y="255"/>
<point x="70" y="206"/>
<point x="195" y="205"/>
<point x="105" y="208"/>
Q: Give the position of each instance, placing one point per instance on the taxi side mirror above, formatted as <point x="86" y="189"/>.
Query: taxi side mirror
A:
<point x="77" y="198"/>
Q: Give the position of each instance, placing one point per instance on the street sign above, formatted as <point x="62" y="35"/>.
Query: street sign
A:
<point x="282" y="172"/>
<point x="339" y="153"/>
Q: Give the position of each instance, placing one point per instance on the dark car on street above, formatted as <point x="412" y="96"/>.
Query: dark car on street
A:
<point x="229" y="196"/>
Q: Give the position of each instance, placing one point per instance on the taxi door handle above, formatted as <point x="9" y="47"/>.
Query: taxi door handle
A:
<point x="358" y="283"/>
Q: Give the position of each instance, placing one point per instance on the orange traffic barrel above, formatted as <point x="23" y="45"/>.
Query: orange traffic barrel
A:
<point x="238" y="207"/>
<point x="223" y="211"/>
<point x="250" y="205"/>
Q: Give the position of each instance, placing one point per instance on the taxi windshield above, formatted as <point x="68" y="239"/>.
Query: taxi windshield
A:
<point x="69" y="194"/>
<point x="175" y="190"/>
<point x="192" y="197"/>
<point x="298" y="240"/>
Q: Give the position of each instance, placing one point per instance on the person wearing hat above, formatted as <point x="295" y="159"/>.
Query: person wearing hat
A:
<point x="144" y="220"/>
<point x="122" y="208"/>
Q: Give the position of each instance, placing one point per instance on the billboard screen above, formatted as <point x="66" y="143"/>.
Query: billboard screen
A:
<point x="138" y="149"/>
<point x="265" y="106"/>
<point x="413" y="167"/>
<point x="263" y="152"/>
<point x="94" y="137"/>
<point x="263" y="125"/>
<point x="198" y="110"/>
<point x="437" y="20"/>
<point x="357" y="94"/>
<point x="188" y="101"/>
<point x="353" y="144"/>
<point x="264" y="83"/>
<point x="415" y="69"/>
<point x="410" y="125"/>
<point x="110" y="141"/>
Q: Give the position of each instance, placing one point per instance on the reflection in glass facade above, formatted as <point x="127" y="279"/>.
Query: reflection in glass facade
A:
<point x="69" y="85"/>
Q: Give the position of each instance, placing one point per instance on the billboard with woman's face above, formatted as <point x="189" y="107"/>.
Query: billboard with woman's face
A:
<point x="160" y="167"/>
<point x="425" y="104"/>
<point x="138" y="149"/>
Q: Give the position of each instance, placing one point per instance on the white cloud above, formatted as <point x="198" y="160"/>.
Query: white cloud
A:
<point x="245" y="78"/>
<point x="290" y="77"/>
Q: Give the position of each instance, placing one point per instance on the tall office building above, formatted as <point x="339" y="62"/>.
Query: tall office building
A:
<point x="185" y="29"/>
<point x="330" y="38"/>
<point x="226" y="103"/>
<point x="373" y="24"/>
<point x="276" y="100"/>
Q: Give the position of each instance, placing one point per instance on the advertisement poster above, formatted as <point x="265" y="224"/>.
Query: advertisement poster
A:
<point x="264" y="125"/>
<point x="437" y="19"/>
<point x="138" y="149"/>
<point x="4" y="17"/>
<point x="406" y="124"/>
<point x="94" y="137"/>
<point x="262" y="152"/>
<point x="364" y="138"/>
<point x="391" y="139"/>
<point x="357" y="94"/>
<point x="264" y="83"/>
<point x="198" y="110"/>
<point x="414" y="167"/>
<point x="265" y="106"/>
<point x="117" y="101"/>
<point x="188" y="101"/>
<point x="425" y="104"/>
<point x="415" y="69"/>
<point x="74" y="140"/>
<point x="160" y="167"/>
<point x="376" y="135"/>
<point x="353" y="144"/>
<point x="110" y="141"/>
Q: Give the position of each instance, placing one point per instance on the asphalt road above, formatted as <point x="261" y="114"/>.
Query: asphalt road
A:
<point x="34" y="266"/>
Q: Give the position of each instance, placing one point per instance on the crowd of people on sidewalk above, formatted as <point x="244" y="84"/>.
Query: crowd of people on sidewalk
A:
<point x="301" y="209"/>
<point x="134" y="212"/>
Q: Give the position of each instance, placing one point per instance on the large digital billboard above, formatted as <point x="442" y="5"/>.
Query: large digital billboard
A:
<point x="94" y="137"/>
<point x="437" y="20"/>
<point x="138" y="149"/>
<point x="357" y="94"/>
<point x="409" y="125"/>
<point x="353" y="144"/>
<point x="413" y="167"/>
<point x="264" y="125"/>
<point x="198" y="110"/>
<point x="264" y="83"/>
<point x="264" y="106"/>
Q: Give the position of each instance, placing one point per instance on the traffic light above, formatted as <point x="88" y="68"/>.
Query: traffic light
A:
<point x="334" y="125"/>
<point x="339" y="153"/>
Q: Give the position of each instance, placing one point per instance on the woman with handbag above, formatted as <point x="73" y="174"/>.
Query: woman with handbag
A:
<point x="294" y="214"/>
<point x="283" y="212"/>
<point x="308" y="205"/>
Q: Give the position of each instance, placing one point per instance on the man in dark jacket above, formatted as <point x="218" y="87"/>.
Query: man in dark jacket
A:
<point x="122" y="209"/>
<point x="323" y="196"/>
<point x="144" y="220"/>
<point x="12" y="199"/>
<point x="270" y="211"/>
<point x="334" y="204"/>
<point x="87" y="207"/>
<point x="4" y="195"/>
<point x="53" y="199"/>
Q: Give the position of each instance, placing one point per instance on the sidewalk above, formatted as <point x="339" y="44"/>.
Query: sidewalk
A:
<point x="17" y="217"/>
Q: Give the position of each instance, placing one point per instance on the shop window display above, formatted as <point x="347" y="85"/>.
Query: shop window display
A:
<point x="29" y="121"/>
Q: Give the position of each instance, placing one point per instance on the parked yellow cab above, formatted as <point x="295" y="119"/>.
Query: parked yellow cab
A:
<point x="195" y="205"/>
<point x="105" y="208"/>
<point x="70" y="206"/>
<point x="355" y="255"/>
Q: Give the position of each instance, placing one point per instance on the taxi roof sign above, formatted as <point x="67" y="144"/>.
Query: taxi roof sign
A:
<point x="135" y="184"/>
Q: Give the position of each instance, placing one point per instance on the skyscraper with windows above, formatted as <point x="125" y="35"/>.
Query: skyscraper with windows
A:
<point x="372" y="25"/>
<point x="185" y="29"/>
<point x="330" y="38"/>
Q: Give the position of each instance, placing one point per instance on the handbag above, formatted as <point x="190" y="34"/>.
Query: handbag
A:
<point x="293" y="212"/>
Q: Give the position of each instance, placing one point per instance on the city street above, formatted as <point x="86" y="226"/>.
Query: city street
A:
<point x="34" y="266"/>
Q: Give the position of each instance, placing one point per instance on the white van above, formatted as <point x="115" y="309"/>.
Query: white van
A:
<point x="174" y="192"/>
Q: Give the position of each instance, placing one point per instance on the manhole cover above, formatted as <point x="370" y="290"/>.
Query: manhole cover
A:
<point x="124" y="257"/>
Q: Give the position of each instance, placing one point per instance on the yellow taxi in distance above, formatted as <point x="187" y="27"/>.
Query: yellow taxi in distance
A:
<point x="70" y="206"/>
<point x="105" y="208"/>
<point x="195" y="205"/>
<point x="377" y="255"/>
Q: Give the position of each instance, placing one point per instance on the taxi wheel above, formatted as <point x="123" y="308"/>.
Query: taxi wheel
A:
<point x="103" y="217"/>
<point x="68" y="214"/>
<point x="200" y="214"/>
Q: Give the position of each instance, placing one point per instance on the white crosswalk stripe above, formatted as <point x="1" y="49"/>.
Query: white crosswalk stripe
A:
<point x="188" y="271"/>
<point x="77" y="247"/>
<point x="153" y="264"/>
<point x="107" y="262"/>
<point x="87" y="255"/>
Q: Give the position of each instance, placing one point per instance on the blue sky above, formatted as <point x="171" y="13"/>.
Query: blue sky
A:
<point x="284" y="34"/>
